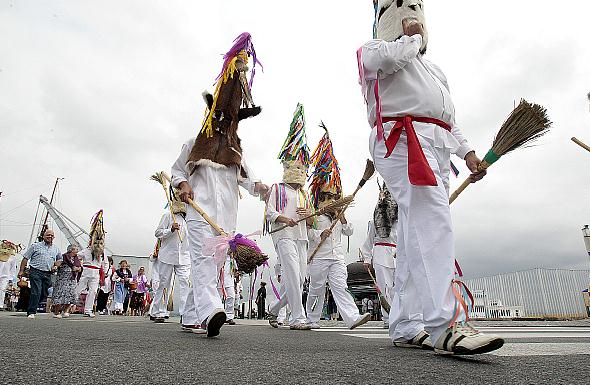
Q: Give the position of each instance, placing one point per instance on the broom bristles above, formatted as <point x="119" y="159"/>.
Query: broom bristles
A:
<point x="337" y="204"/>
<point x="158" y="178"/>
<point x="527" y="123"/>
<point x="369" y="171"/>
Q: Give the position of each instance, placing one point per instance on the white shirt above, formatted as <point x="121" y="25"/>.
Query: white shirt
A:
<point x="172" y="250"/>
<point x="411" y="85"/>
<point x="379" y="254"/>
<point x="332" y="246"/>
<point x="8" y="269"/>
<point x="215" y="188"/>
<point x="85" y="257"/>
<point x="294" y="200"/>
<point x="109" y="272"/>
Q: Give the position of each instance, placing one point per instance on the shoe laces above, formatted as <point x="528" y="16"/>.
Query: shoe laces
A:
<point x="465" y="328"/>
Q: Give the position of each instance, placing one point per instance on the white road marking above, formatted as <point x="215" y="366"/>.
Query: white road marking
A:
<point x="542" y="349"/>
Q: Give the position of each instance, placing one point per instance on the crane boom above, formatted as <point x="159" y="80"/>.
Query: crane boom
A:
<point x="59" y="221"/>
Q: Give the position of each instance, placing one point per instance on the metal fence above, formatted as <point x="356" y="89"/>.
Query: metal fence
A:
<point x="537" y="293"/>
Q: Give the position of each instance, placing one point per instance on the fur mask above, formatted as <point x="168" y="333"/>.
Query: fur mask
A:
<point x="392" y="13"/>
<point x="294" y="172"/>
<point x="385" y="214"/>
<point x="97" y="248"/>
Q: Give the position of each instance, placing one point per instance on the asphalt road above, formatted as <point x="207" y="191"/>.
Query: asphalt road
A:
<point x="132" y="350"/>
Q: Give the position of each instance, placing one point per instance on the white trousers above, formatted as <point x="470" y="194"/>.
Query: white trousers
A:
<point x="88" y="280"/>
<point x="422" y="295"/>
<point x="384" y="276"/>
<point x="162" y="293"/>
<point x="205" y="298"/>
<point x="293" y="258"/>
<point x="229" y="289"/>
<point x="335" y="273"/>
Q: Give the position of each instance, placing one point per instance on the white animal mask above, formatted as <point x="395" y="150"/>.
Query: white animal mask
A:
<point x="392" y="13"/>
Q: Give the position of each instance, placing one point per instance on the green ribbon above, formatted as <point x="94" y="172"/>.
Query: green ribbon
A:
<point x="491" y="157"/>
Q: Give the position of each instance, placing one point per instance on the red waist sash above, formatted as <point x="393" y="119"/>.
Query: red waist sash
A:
<point x="419" y="170"/>
<point x="385" y="244"/>
<point x="91" y="267"/>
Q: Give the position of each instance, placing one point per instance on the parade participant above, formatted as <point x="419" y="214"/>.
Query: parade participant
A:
<point x="287" y="202"/>
<point x="106" y="287"/>
<point x="64" y="289"/>
<point x="93" y="264"/>
<point x="261" y="300"/>
<point x="155" y="282"/>
<point x="226" y="289"/>
<point x="210" y="170"/>
<point x="414" y="132"/>
<point x="328" y="263"/>
<point x="41" y="257"/>
<point x="379" y="248"/>
<point x="173" y="256"/>
<point x="137" y="301"/>
<point x="123" y="278"/>
<point x="8" y="252"/>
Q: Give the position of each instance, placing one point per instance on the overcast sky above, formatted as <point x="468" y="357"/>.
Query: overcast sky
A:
<point x="104" y="93"/>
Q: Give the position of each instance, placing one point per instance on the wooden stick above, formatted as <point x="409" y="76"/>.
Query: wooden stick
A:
<point x="581" y="144"/>
<point x="482" y="166"/>
<point x="319" y="212"/>
<point x="159" y="179"/>
<point x="201" y="212"/>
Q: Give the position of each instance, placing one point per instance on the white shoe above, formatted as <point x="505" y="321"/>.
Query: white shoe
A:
<point x="57" y="316"/>
<point x="363" y="319"/>
<point x="31" y="316"/>
<point x="91" y="315"/>
<point x="66" y="315"/>
<point x="314" y="325"/>
<point x="463" y="339"/>
<point x="272" y="320"/>
<point x="421" y="340"/>
<point x="300" y="326"/>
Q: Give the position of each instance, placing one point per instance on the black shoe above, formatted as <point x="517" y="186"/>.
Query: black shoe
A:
<point x="215" y="322"/>
<point x="152" y="318"/>
<point x="230" y="322"/>
<point x="159" y="320"/>
<point x="166" y="317"/>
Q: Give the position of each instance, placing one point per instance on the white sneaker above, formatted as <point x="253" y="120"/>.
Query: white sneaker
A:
<point x="57" y="316"/>
<point x="300" y="326"/>
<point x="66" y="315"/>
<point x="463" y="339"/>
<point x="91" y="315"/>
<point x="314" y="325"/>
<point x="363" y="319"/>
<point x="420" y="341"/>
<point x="31" y="316"/>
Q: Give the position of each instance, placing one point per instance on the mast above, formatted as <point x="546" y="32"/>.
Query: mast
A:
<point x="44" y="226"/>
<point x="59" y="222"/>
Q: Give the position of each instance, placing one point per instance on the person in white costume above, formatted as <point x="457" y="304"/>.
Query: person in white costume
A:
<point x="287" y="203"/>
<point x="155" y="279"/>
<point x="227" y="291"/>
<point x="8" y="272"/>
<point x="380" y="246"/>
<point x="328" y="264"/>
<point x="173" y="257"/>
<point x="412" y="116"/>
<point x="210" y="170"/>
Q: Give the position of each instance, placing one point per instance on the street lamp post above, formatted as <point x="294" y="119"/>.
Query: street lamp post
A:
<point x="586" y="233"/>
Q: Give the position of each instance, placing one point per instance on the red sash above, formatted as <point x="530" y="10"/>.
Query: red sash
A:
<point x="419" y="170"/>
<point x="385" y="244"/>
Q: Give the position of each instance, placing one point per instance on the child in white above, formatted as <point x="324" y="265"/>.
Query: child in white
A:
<point x="328" y="264"/>
<point x="227" y="291"/>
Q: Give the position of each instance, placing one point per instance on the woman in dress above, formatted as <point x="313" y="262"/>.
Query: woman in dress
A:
<point x="138" y="295"/>
<point x="64" y="291"/>
<point x="122" y="280"/>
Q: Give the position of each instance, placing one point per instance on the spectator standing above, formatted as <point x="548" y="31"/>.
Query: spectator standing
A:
<point x="261" y="300"/>
<point x="138" y="295"/>
<point x="41" y="257"/>
<point x="122" y="278"/>
<point x="64" y="291"/>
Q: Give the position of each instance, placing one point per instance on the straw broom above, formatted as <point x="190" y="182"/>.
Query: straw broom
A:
<point x="581" y="144"/>
<point x="158" y="177"/>
<point x="369" y="171"/>
<point x="525" y="124"/>
<point x="242" y="252"/>
<point x="334" y="206"/>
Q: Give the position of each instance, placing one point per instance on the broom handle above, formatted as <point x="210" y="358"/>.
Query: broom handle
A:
<point x="333" y="225"/>
<point x="483" y="165"/>
<point x="581" y="144"/>
<point x="202" y="212"/>
<point x="297" y="221"/>
<point x="171" y="211"/>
